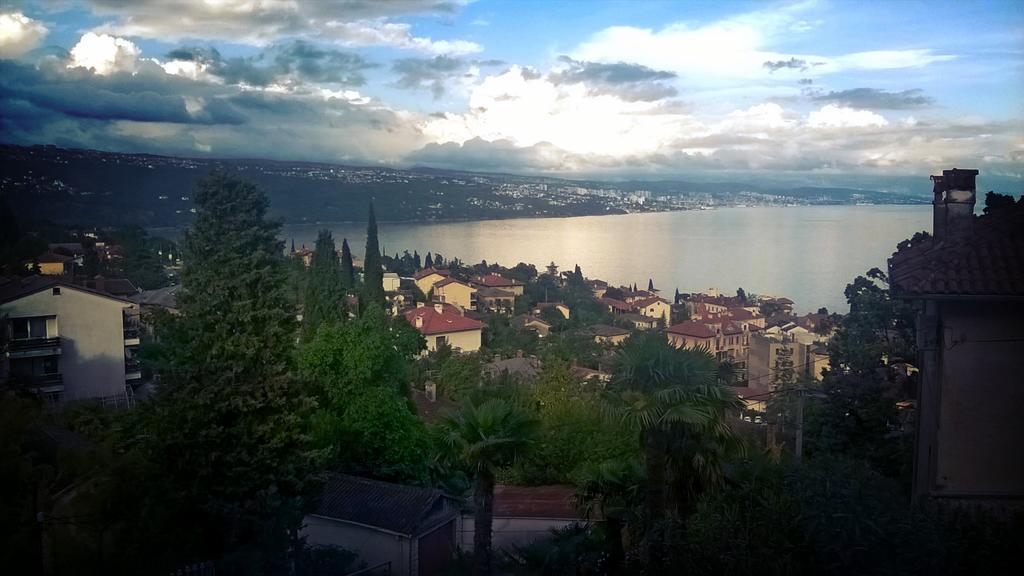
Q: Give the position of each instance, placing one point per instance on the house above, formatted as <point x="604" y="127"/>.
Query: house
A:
<point x="966" y="282"/>
<point x="121" y="287"/>
<point x="560" y="307"/>
<point x="639" y="321"/>
<point x="304" y="254"/>
<point x="525" y="322"/>
<point x="598" y="287"/>
<point x="497" y="300"/>
<point x="616" y="306"/>
<point x="452" y="291"/>
<point x="655" y="307"/>
<point x="391" y="282"/>
<point x="726" y="339"/>
<point x="411" y="530"/>
<point x="526" y="367"/>
<point x="590" y="375"/>
<point x="68" y="342"/>
<point x="499" y="282"/>
<point x="523" y="514"/>
<point x="158" y="299"/>
<point x="427" y="277"/>
<point x="443" y="324"/>
<point x="605" y="334"/>
<point x="763" y="356"/>
<point x="51" y="264"/>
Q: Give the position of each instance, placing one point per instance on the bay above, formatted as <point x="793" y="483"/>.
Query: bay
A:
<point x="806" y="253"/>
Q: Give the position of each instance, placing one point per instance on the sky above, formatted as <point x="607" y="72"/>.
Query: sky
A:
<point x="811" y="91"/>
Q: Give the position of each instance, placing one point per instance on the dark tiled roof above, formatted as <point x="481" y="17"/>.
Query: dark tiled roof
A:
<point x="163" y="297"/>
<point x="420" y="274"/>
<point x="52" y="257"/>
<point x="607" y="331"/>
<point x="987" y="262"/>
<point x="694" y="329"/>
<point x="616" y="304"/>
<point x="14" y="288"/>
<point x="524" y="320"/>
<point x="393" y="507"/>
<point x="494" y="281"/>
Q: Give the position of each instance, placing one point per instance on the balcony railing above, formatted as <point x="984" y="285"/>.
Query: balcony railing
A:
<point x="36" y="381"/>
<point x="132" y="366"/>
<point x="23" y="344"/>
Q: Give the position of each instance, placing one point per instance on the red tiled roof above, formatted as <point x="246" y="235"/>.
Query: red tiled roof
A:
<point x="420" y="274"/>
<point x="694" y="329"/>
<point x="987" y="261"/>
<point x="435" y="322"/>
<point x="534" y="502"/>
<point x="447" y="281"/>
<point x="741" y="314"/>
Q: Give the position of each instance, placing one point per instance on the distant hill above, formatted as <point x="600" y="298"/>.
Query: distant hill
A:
<point x="90" y="187"/>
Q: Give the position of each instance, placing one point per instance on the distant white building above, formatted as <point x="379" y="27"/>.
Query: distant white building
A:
<point x="66" y="342"/>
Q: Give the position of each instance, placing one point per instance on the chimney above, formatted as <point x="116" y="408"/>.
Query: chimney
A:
<point x="438" y="307"/>
<point x="953" y="204"/>
<point x="419" y="304"/>
<point x="430" y="390"/>
<point x="419" y="321"/>
<point x="959" y="199"/>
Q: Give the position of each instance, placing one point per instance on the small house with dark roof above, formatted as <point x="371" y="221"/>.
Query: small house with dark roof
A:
<point x="51" y="263"/>
<point x="496" y="281"/>
<point x="526" y="322"/>
<point x="410" y="530"/>
<point x="605" y="334"/>
<point x="966" y="281"/>
<point x="427" y="277"/>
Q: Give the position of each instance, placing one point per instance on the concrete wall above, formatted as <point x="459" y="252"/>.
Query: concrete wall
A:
<point x="467" y="341"/>
<point x="981" y="399"/>
<point x="373" y="546"/>
<point x="92" y="338"/>
<point x="458" y="294"/>
<point x="509" y="532"/>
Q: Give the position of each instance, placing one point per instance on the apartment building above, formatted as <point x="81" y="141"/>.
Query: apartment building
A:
<point x="68" y="342"/>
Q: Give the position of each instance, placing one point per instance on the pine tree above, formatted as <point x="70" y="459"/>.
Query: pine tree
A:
<point x="348" y="273"/>
<point x="578" y="273"/>
<point x="650" y="285"/>
<point x="741" y="294"/>
<point x="676" y="299"/>
<point x="429" y="262"/>
<point x="325" y="295"/>
<point x="416" y="259"/>
<point x="226" y="430"/>
<point x="373" y="274"/>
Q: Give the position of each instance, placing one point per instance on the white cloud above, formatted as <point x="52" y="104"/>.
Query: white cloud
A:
<point x="891" y="59"/>
<point x="19" y="34"/>
<point x="527" y="109"/>
<point x="834" y="116"/>
<point x="104" y="54"/>
<point x="380" y="32"/>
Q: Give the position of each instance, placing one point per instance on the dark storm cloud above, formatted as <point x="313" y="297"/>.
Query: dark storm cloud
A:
<point x="148" y="96"/>
<point x="792" y="63"/>
<point x="631" y="82"/>
<point x="433" y="73"/>
<point x="298" y="61"/>
<point x="878" y="99"/>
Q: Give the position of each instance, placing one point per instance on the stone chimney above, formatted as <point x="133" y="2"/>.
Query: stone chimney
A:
<point x="953" y="205"/>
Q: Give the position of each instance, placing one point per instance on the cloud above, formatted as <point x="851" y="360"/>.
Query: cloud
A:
<point x="346" y="22"/>
<point x="793" y="63"/>
<point x="892" y="59"/>
<point x="878" y="99"/>
<point x="104" y="54"/>
<point x="292" y="64"/>
<point x="438" y="73"/>
<point x="19" y="34"/>
<point x="631" y="82"/>
<point x="833" y="116"/>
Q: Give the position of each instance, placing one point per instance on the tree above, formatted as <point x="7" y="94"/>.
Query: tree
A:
<point x="225" y="431"/>
<point x="650" y="284"/>
<point x="485" y="438"/>
<point x="325" y="295"/>
<point x="373" y="272"/>
<point x="671" y="397"/>
<point x="741" y="295"/>
<point x="878" y="330"/>
<point x="612" y="488"/>
<point x="552" y="268"/>
<point x="348" y="273"/>
<point x="142" y="265"/>
<point x="429" y="261"/>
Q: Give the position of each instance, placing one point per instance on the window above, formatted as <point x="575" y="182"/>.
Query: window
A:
<point x="56" y="290"/>
<point x="441" y="341"/>
<point x="25" y="328"/>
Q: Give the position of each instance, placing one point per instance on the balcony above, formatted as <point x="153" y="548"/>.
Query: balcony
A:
<point x="38" y="383"/>
<point x="30" y="347"/>
<point x="132" y="329"/>
<point x="132" y="369"/>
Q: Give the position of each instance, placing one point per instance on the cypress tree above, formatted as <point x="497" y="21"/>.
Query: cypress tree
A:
<point x="429" y="262"/>
<point x="650" y="285"/>
<point x="225" y="430"/>
<point x="348" y="272"/>
<point x="416" y="259"/>
<point x="373" y="274"/>
<point x="325" y="295"/>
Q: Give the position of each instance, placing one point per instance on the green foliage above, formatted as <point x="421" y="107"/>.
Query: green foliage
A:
<point x="879" y="328"/>
<point x="142" y="265"/>
<point x="373" y="273"/>
<point x="348" y="273"/>
<point x="325" y="293"/>
<point x="575" y="549"/>
<point x="227" y="431"/>
<point x="460" y="375"/>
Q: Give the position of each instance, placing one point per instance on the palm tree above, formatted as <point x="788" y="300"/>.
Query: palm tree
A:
<point x="486" y="438"/>
<point x="673" y="399"/>
<point x="613" y="488"/>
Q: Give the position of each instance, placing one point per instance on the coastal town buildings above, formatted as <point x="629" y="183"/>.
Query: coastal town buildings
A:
<point x="445" y="325"/>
